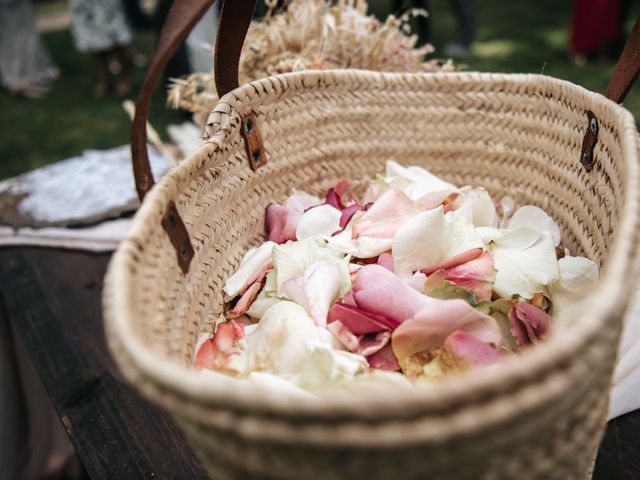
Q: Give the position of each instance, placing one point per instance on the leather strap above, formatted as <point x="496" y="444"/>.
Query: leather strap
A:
<point x="628" y="67"/>
<point x="622" y="79"/>
<point x="234" y="22"/>
<point x="235" y="18"/>
<point x="182" y="17"/>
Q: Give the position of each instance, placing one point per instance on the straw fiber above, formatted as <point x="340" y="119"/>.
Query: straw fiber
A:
<point x="538" y="417"/>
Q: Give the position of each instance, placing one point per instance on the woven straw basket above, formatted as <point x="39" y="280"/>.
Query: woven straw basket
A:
<point x="539" y="417"/>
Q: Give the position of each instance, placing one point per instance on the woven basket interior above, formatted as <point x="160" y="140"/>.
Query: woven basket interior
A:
<point x="515" y="135"/>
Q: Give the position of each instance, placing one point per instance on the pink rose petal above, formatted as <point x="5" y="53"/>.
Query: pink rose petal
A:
<point x="433" y="324"/>
<point x="467" y="351"/>
<point x="454" y="261"/>
<point x="377" y="290"/>
<point x="528" y="323"/>
<point x="281" y="221"/>
<point x="358" y="321"/>
<point x="245" y="301"/>
<point x="216" y="352"/>
<point x="386" y="260"/>
<point x="386" y="215"/>
<point x="384" y="359"/>
<point x="349" y="212"/>
<point x="364" y="345"/>
<point x="476" y="275"/>
<point x="371" y="344"/>
<point x="342" y="333"/>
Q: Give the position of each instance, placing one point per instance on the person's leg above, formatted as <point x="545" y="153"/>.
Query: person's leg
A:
<point x="465" y="12"/>
<point x="102" y="62"/>
<point x="123" y="85"/>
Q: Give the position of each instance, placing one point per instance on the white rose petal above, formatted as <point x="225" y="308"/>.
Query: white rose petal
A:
<point x="478" y="208"/>
<point x="325" y="367"/>
<point x="270" y="383"/>
<point x="292" y="259"/>
<point x="418" y="184"/>
<point x="278" y="343"/>
<point x="489" y="234"/>
<point x="525" y="262"/>
<point x="321" y="221"/>
<point x="529" y="216"/>
<point x="250" y="264"/>
<point x="316" y="290"/>
<point x="577" y="274"/>
<point x="429" y="238"/>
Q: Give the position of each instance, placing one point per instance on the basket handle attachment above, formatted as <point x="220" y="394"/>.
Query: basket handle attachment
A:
<point x="233" y="25"/>
<point x="624" y="76"/>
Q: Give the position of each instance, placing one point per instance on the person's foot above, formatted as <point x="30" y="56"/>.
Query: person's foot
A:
<point x="34" y="92"/>
<point x="455" y="50"/>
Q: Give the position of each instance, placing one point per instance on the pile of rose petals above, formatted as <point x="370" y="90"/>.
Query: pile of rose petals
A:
<point x="411" y="281"/>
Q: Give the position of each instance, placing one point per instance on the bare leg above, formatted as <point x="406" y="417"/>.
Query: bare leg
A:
<point x="123" y="86"/>
<point x="102" y="87"/>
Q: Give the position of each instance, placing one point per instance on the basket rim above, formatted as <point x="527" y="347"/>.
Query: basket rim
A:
<point x="533" y="366"/>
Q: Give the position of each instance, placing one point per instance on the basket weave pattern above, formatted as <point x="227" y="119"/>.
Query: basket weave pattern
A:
<point x="540" y="416"/>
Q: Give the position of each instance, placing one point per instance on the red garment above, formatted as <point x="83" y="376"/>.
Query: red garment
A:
<point x="594" y="24"/>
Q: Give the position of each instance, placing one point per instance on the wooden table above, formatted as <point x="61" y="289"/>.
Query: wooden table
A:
<point x="52" y="298"/>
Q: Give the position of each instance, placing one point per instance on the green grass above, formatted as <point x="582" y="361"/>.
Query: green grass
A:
<point x="69" y="119"/>
<point x="513" y="36"/>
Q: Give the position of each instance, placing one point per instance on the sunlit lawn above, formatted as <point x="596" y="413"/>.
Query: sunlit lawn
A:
<point x="514" y="36"/>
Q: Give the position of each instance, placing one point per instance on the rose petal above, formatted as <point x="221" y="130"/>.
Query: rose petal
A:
<point x="362" y="247"/>
<point x="315" y="290"/>
<point x="292" y="259"/>
<point x="377" y="290"/>
<point x="386" y="215"/>
<point x="463" y="351"/>
<point x="357" y="320"/>
<point x="477" y="208"/>
<point x="577" y="274"/>
<point x="454" y="261"/>
<point x="324" y="367"/>
<point x="364" y="345"/>
<point x="418" y="184"/>
<point x="384" y="359"/>
<point x="281" y="221"/>
<point x="433" y="324"/>
<point x="254" y="263"/>
<point x="320" y="221"/>
<point x="247" y="298"/>
<point x="525" y="262"/>
<point x="226" y="351"/>
<point x="529" y="216"/>
<point x="528" y="323"/>
<point x="342" y="333"/>
<point x="349" y="212"/>
<point x="386" y="260"/>
<point x="430" y="238"/>
<point x="476" y="275"/>
<point x="333" y="199"/>
<point x="371" y="344"/>
<point x="278" y="343"/>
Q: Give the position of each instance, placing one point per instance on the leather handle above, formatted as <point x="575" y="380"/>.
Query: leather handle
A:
<point x="623" y="77"/>
<point x="628" y="67"/>
<point x="235" y="19"/>
<point x="182" y="17"/>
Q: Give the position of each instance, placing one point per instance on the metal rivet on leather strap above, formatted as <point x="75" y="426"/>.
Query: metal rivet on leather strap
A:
<point x="253" y="142"/>
<point x="177" y="232"/>
<point x="589" y="142"/>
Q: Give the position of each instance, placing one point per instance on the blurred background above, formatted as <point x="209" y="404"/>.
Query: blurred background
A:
<point x="74" y="112"/>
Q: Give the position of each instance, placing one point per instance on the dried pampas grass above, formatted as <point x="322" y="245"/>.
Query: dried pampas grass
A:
<point x="313" y="34"/>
